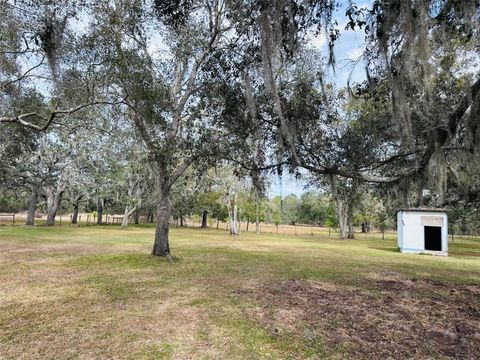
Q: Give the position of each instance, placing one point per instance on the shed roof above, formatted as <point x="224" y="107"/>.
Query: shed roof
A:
<point x="424" y="210"/>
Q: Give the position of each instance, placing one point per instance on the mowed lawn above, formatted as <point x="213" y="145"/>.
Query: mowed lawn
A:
<point x="96" y="293"/>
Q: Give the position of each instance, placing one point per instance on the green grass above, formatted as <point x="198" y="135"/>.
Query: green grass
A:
<point x="96" y="292"/>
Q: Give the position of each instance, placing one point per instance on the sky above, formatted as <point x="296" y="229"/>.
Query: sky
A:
<point x="348" y="48"/>
<point x="285" y="185"/>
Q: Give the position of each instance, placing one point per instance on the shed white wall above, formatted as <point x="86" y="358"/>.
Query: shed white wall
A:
<point x="411" y="233"/>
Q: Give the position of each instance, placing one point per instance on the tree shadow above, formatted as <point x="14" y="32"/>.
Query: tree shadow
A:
<point x="385" y="248"/>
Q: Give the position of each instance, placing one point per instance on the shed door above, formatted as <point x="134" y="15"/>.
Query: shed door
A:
<point x="433" y="238"/>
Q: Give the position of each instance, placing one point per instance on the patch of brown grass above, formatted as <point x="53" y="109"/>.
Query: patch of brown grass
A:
<point x="389" y="319"/>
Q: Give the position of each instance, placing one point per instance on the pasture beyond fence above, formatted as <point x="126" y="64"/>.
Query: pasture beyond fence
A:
<point x="85" y="219"/>
<point x="89" y="219"/>
<point x="7" y="218"/>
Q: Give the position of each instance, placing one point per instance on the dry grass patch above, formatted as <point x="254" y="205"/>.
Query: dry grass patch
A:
<point x="382" y="319"/>
<point x="96" y="293"/>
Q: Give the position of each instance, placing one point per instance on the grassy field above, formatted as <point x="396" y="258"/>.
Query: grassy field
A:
<point x="96" y="293"/>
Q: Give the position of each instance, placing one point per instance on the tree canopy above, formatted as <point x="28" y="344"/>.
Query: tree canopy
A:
<point x="164" y="109"/>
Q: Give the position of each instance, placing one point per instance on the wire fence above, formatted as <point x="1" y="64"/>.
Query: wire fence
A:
<point x="84" y="219"/>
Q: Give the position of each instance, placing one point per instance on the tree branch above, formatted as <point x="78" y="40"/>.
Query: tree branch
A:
<point x="182" y="168"/>
<point x="24" y="75"/>
<point x="21" y="119"/>
<point x="182" y="99"/>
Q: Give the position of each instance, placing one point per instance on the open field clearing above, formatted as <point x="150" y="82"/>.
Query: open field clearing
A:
<point x="266" y="228"/>
<point x="186" y="179"/>
<point x="96" y="293"/>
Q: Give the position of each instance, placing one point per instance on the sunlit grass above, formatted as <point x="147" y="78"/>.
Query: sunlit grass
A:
<point x="96" y="292"/>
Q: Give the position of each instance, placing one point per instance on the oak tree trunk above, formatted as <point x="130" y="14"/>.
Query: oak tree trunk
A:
<point x="75" y="214"/>
<point x="32" y="206"/>
<point x="51" y="216"/>
<point x="257" y="218"/>
<point x="161" y="246"/>
<point x="125" y="218"/>
<point x="54" y="203"/>
<point x="126" y="215"/>
<point x="150" y="216"/>
<point x="342" y="220"/>
<point x="204" y="219"/>
<point x="351" y="234"/>
<point x="99" y="211"/>
<point x="233" y="220"/>
<point x="364" y="227"/>
<point x="345" y="220"/>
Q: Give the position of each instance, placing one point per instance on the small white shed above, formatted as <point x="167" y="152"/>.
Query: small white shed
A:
<point x="422" y="230"/>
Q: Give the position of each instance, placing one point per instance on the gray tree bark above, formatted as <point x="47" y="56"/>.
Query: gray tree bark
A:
<point x="161" y="245"/>
<point x="204" y="219"/>
<point x="53" y="202"/>
<point x="32" y="206"/>
<point x="257" y="218"/>
<point x="100" y="204"/>
<point x="342" y="219"/>
<point x="126" y="215"/>
<point x="233" y="219"/>
<point x="351" y="233"/>
<point x="150" y="215"/>
<point x="342" y="208"/>
<point x="136" y="213"/>
<point x="75" y="214"/>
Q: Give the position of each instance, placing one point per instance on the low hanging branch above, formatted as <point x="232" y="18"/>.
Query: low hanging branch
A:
<point x="439" y="139"/>
<point x="23" y="118"/>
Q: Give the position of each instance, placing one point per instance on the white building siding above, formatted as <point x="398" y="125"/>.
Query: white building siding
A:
<point x="411" y="229"/>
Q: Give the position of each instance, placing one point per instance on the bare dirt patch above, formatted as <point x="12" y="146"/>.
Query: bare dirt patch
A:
<point x="389" y="319"/>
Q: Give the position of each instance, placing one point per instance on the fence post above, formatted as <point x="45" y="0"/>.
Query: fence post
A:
<point x="60" y="220"/>
<point x="79" y="219"/>
<point x="13" y="219"/>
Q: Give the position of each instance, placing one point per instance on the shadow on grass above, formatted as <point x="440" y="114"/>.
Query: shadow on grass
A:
<point x="127" y="261"/>
<point x="385" y="248"/>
